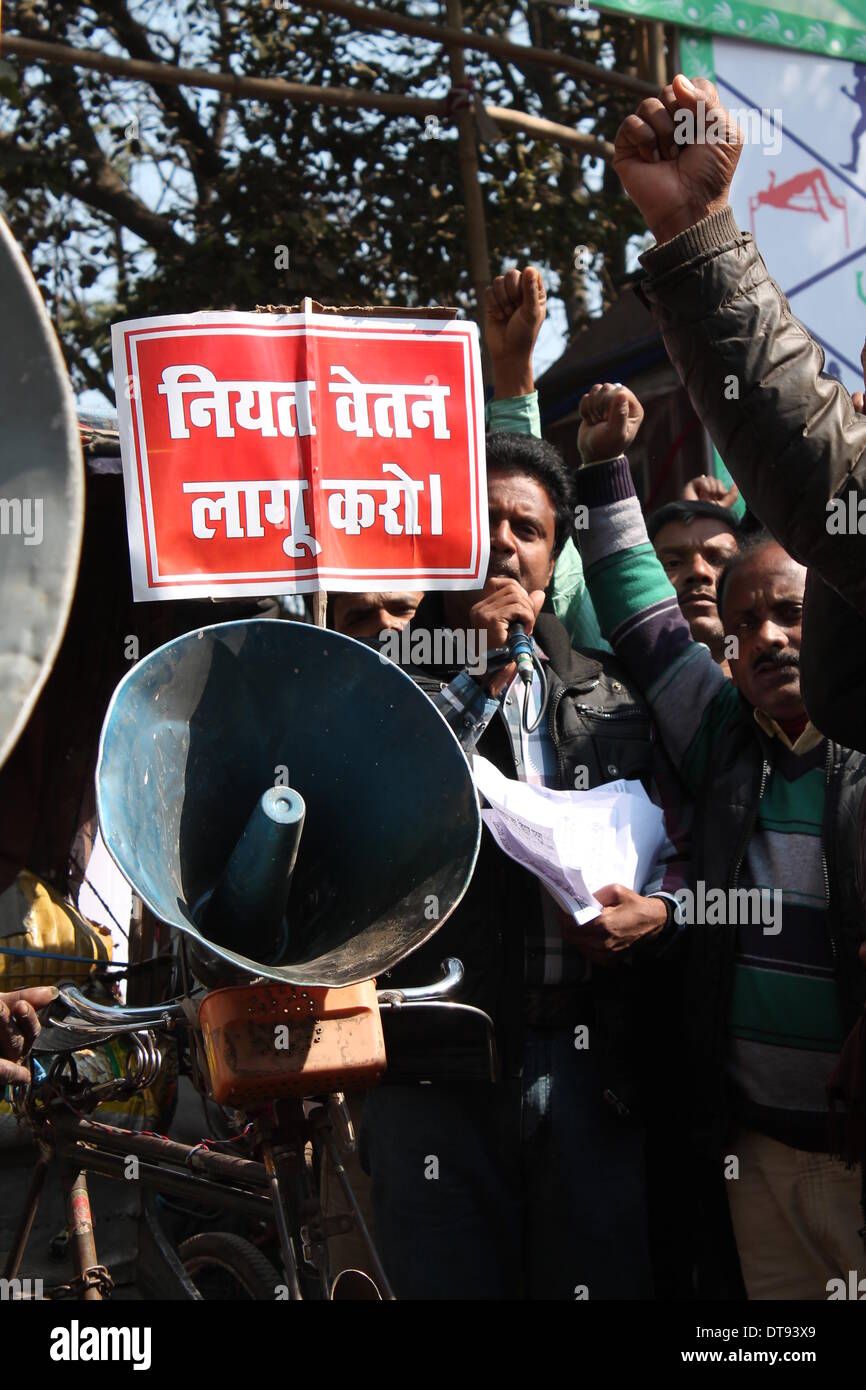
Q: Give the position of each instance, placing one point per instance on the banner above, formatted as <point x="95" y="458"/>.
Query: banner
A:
<point x="800" y="185"/>
<point x="284" y="453"/>
<point x="834" y="27"/>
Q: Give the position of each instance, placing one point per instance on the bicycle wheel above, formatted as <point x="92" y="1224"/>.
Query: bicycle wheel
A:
<point x="226" y="1267"/>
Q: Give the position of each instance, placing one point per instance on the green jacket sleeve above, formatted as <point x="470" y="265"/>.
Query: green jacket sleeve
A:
<point x="691" y="699"/>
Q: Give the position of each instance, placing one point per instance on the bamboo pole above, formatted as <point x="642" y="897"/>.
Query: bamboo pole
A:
<point x="551" y="130"/>
<point x="256" y="88"/>
<point x="454" y="35"/>
<point x="276" y="89"/>
<point x="476" y="227"/>
<point x="657" y="63"/>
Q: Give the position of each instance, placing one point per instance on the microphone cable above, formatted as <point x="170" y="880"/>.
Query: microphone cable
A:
<point x="522" y="650"/>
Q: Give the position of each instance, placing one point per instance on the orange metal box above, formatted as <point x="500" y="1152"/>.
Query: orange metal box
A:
<point x="270" y="1040"/>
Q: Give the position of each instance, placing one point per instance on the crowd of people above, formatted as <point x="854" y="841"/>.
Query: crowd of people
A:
<point x="709" y="1139"/>
<point x="680" y="1110"/>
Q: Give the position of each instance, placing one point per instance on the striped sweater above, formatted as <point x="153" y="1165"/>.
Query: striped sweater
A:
<point x="784" y="1023"/>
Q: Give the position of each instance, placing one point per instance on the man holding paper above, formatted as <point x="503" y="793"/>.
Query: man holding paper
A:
<point x="533" y="1187"/>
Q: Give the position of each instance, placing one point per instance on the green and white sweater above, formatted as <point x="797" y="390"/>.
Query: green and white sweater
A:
<point x="784" y="1022"/>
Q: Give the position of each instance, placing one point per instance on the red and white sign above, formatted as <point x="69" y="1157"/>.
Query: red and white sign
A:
<point x="283" y="453"/>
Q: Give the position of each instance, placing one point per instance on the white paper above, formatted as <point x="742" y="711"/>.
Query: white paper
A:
<point x="575" y="842"/>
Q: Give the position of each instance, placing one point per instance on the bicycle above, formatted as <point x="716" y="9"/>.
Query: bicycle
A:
<point x="272" y="1173"/>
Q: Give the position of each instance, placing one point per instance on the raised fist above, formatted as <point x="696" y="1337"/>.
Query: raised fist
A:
<point x="610" y="417"/>
<point x="677" y="155"/>
<point x="706" y="488"/>
<point x="516" y="306"/>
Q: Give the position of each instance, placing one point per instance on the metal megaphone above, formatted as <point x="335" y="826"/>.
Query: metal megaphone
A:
<point x="41" y="494"/>
<point x="288" y="798"/>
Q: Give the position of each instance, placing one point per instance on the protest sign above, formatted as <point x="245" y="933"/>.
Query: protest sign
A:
<point x="292" y="452"/>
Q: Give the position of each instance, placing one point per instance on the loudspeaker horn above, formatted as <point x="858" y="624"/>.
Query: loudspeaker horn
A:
<point x="41" y="494"/>
<point x="289" y="799"/>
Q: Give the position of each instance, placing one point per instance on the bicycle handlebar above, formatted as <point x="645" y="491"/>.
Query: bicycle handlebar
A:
<point x="114" y="1015"/>
<point x="452" y="974"/>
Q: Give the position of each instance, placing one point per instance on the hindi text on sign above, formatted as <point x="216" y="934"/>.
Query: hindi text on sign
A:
<point x="212" y="405"/>
<point x="353" y="414"/>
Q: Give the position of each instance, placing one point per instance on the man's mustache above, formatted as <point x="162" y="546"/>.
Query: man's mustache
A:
<point x="773" y="660"/>
<point x="501" y="569"/>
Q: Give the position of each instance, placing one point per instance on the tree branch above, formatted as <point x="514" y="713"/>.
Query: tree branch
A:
<point x="103" y="190"/>
<point x="204" y="161"/>
<point x="94" y="378"/>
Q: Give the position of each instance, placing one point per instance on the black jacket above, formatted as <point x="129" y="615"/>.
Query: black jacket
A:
<point x="596" y="720"/>
<point x="788" y="434"/>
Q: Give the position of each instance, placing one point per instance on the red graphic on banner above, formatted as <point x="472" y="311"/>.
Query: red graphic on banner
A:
<point x="286" y="453"/>
<point x="807" y="192"/>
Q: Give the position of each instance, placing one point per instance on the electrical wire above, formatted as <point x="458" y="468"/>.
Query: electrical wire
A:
<point x="37" y="953"/>
<point x="545" y="695"/>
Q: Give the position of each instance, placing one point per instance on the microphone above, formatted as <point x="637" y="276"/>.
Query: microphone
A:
<point x="521" y="647"/>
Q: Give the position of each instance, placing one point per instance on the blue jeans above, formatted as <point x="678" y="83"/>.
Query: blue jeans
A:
<point x="532" y="1188"/>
